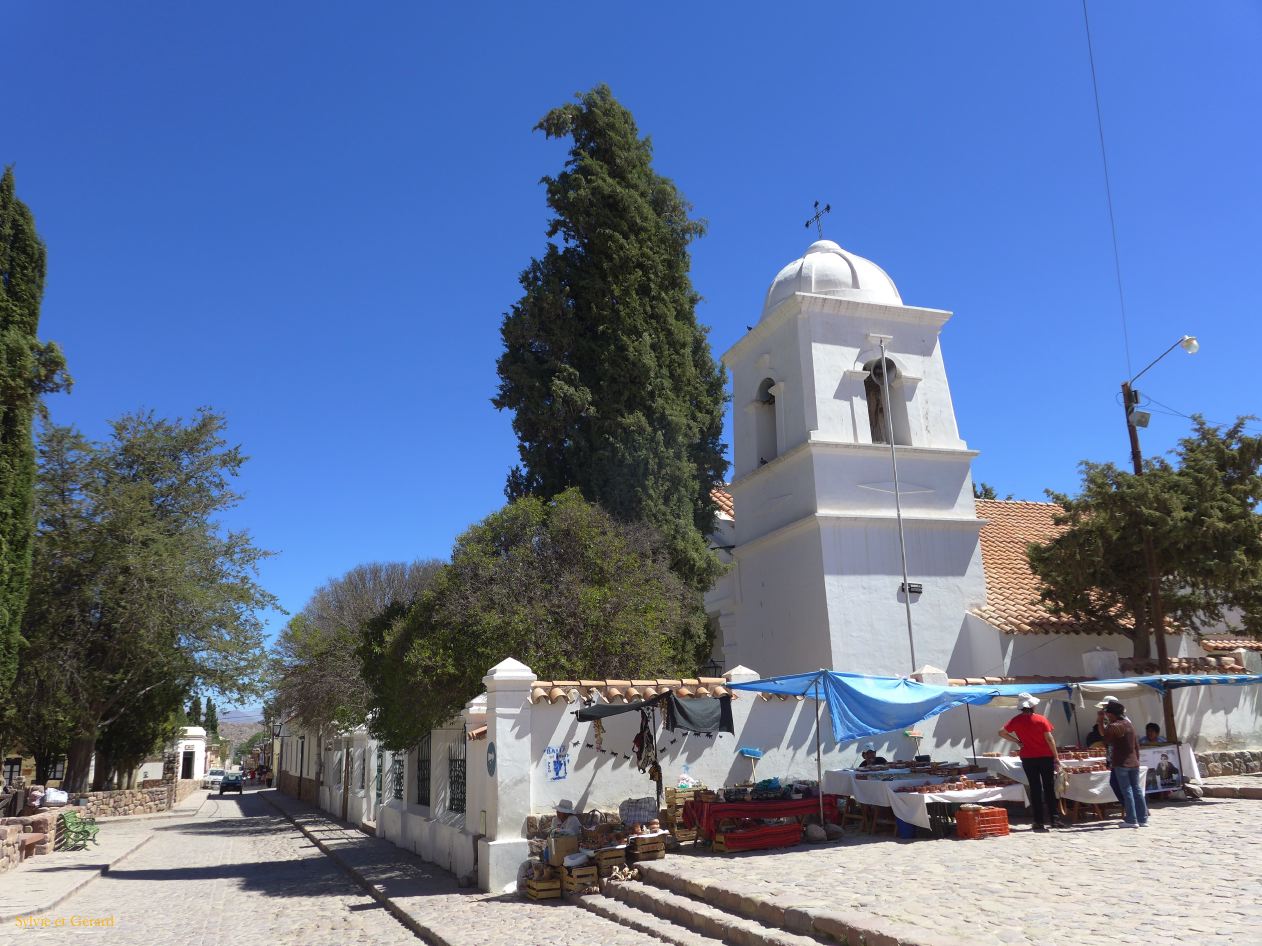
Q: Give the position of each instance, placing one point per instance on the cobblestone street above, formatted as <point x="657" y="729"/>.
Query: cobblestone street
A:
<point x="240" y="872"/>
<point x="236" y="872"/>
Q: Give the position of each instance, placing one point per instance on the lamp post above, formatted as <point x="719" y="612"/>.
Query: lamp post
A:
<point x="1134" y="420"/>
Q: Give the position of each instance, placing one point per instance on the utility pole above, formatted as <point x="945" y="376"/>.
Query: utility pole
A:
<point x="1156" y="617"/>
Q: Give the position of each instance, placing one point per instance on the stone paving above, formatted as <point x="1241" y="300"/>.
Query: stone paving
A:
<point x="1192" y="876"/>
<point x="240" y="872"/>
<point x="430" y="901"/>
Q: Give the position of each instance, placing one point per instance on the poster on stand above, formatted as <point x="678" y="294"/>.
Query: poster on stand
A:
<point x="1164" y="769"/>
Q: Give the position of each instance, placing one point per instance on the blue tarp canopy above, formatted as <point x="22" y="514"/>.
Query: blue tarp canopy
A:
<point x="1178" y="680"/>
<point x="862" y="706"/>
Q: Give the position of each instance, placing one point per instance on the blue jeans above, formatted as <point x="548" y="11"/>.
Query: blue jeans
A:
<point x="1130" y="792"/>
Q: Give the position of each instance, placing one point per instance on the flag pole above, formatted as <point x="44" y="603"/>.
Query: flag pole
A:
<point x="819" y="765"/>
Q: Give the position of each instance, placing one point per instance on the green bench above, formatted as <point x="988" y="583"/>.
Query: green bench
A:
<point x="76" y="831"/>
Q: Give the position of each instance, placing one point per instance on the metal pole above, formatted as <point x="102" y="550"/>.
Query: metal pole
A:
<point x="1156" y="618"/>
<point x="973" y="742"/>
<point x="819" y="765"/>
<point x="898" y="504"/>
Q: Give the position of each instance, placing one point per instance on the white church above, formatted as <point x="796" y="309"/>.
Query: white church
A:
<point x="809" y="521"/>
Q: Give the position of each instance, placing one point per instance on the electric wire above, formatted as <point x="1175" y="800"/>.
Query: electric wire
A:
<point x="1108" y="188"/>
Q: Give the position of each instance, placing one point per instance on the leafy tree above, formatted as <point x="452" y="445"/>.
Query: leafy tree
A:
<point x="986" y="491"/>
<point x="211" y="717"/>
<point x="143" y="727"/>
<point x="318" y="671"/>
<point x="28" y="369"/>
<point x="608" y="375"/>
<point x="38" y="714"/>
<point x="1201" y="513"/>
<point x="194" y="713"/>
<point x="136" y="584"/>
<point x="559" y="584"/>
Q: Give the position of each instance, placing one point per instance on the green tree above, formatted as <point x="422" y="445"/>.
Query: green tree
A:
<point x="211" y="717"/>
<point x="317" y="666"/>
<point x="136" y="583"/>
<point x="986" y="491"/>
<point x="28" y="369"/>
<point x="609" y="377"/>
<point x="142" y="728"/>
<point x="1201" y="514"/>
<point x="560" y="585"/>
<point x="194" y="713"/>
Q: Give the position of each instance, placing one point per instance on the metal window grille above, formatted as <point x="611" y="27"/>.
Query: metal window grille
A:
<point x="456" y="775"/>
<point x="396" y="775"/>
<point x="423" y="754"/>
<point x="362" y="755"/>
<point x="380" y="762"/>
<point x="13" y="769"/>
<point x="58" y="770"/>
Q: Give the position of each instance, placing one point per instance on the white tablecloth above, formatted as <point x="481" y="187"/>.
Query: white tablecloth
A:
<point x="912" y="807"/>
<point x="1092" y="788"/>
<point x="867" y="791"/>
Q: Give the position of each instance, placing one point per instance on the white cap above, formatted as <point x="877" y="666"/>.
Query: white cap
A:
<point x="869" y="747"/>
<point x="1108" y="701"/>
<point x="1029" y="702"/>
<point x="565" y="807"/>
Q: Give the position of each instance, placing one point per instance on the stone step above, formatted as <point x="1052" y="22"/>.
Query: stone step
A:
<point x="635" y="919"/>
<point x="804" y="921"/>
<point x="703" y="918"/>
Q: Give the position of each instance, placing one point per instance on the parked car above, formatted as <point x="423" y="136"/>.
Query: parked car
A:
<point x="212" y="779"/>
<point x="231" y="782"/>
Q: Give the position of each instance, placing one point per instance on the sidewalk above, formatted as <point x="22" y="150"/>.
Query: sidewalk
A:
<point x="426" y="900"/>
<point x="40" y="883"/>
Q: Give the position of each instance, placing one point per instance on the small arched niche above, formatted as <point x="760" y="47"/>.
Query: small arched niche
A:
<point x="765" y="421"/>
<point x="882" y="414"/>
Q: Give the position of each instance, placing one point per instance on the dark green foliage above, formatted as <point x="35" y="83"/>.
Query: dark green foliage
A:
<point x="211" y="718"/>
<point x="136" y="587"/>
<point x="1201" y="513"/>
<point x="986" y="491"/>
<point x="610" y="378"/>
<point x="560" y="585"/>
<point x="194" y="713"/>
<point x="28" y="369"/>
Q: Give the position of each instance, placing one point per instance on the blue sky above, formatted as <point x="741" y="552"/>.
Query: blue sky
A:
<point x="312" y="216"/>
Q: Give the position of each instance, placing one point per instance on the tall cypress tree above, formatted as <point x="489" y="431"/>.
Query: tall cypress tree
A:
<point x="211" y="717"/>
<point x="28" y="369"/>
<point x="610" y="378"/>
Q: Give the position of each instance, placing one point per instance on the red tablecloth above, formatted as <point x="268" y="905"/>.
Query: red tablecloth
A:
<point x="705" y="816"/>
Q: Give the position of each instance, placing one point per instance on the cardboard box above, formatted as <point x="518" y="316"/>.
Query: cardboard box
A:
<point x="559" y="847"/>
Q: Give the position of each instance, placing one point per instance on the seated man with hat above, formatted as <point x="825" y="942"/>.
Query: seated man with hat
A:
<point x="870" y="757"/>
<point x="567" y="822"/>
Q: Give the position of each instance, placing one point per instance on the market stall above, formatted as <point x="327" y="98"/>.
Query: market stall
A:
<point x="709" y="816"/>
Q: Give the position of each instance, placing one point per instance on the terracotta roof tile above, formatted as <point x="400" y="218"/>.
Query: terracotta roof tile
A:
<point x="723" y="499"/>
<point x="1012" y="590"/>
<point x="617" y="691"/>
<point x="1230" y="643"/>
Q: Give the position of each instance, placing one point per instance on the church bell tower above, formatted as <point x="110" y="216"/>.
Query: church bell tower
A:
<point x="818" y="579"/>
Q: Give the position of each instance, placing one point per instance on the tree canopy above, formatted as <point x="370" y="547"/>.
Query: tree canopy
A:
<point x="560" y="585"/>
<point x="28" y="369"/>
<point x="138" y="588"/>
<point x="318" y="672"/>
<point x="609" y="377"/>
<point x="1201" y="512"/>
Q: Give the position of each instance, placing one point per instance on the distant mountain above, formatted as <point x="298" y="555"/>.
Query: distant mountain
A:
<point x="239" y="731"/>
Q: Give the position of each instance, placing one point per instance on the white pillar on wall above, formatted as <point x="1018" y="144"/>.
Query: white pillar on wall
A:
<point x="508" y="797"/>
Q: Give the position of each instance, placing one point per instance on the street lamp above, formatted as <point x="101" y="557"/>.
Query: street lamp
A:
<point x="1134" y="420"/>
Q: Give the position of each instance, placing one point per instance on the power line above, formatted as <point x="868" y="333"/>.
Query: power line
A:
<point x="1108" y="188"/>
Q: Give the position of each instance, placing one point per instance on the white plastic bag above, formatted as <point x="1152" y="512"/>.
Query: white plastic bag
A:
<point x="55" y="796"/>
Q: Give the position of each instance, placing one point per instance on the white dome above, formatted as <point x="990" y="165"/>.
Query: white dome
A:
<point x="828" y="270"/>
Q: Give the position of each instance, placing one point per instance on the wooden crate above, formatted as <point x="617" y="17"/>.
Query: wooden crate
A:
<point x="606" y="861"/>
<point x="543" y="889"/>
<point x="573" y="878"/>
<point x="684" y="835"/>
<point x="646" y="850"/>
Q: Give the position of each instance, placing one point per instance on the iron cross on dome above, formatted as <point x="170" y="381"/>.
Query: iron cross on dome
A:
<point x="817" y="219"/>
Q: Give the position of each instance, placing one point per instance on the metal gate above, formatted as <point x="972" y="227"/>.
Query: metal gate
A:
<point x="456" y="774"/>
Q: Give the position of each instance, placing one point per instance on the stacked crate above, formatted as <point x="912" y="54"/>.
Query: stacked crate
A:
<point x="673" y="813"/>
<point x="574" y="879"/>
<point x="646" y="849"/>
<point x="973" y="823"/>
<point x="608" y="859"/>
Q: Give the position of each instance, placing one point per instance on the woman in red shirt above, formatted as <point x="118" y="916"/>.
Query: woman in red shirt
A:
<point x="1033" y="733"/>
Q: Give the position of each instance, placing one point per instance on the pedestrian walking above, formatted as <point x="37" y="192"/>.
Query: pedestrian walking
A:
<point x="1123" y="755"/>
<point x="1033" y="733"/>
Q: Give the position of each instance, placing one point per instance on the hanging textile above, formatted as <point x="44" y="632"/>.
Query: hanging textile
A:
<point x="708" y="714"/>
<point x="645" y="746"/>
